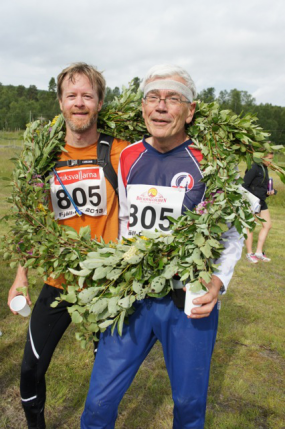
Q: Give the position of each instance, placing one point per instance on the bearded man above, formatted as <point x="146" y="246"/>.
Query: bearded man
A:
<point x="78" y="186"/>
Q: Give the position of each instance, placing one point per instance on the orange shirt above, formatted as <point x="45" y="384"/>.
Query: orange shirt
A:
<point x="105" y="226"/>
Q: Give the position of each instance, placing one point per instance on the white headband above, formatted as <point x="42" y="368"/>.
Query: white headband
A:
<point x="169" y="84"/>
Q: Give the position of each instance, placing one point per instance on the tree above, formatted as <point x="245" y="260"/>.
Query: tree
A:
<point x="207" y="95"/>
<point x="223" y="98"/>
<point x="136" y="82"/>
<point x="235" y="103"/>
<point x="247" y="100"/>
<point x="52" y="85"/>
<point x="21" y="91"/>
<point x="32" y="92"/>
<point x="116" y="92"/>
<point x="110" y="94"/>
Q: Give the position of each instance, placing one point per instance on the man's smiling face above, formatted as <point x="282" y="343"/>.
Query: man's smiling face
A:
<point x="79" y="103"/>
<point x="166" y="121"/>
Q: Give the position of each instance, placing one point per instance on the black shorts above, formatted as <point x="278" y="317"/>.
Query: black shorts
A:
<point x="263" y="205"/>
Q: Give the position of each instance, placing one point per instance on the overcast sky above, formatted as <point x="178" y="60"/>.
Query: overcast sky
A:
<point x="223" y="44"/>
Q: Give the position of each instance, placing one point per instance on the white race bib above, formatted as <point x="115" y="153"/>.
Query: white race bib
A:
<point x="150" y="206"/>
<point x="87" y="188"/>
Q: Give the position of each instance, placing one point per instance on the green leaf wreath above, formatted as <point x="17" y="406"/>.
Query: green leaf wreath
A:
<point x="104" y="280"/>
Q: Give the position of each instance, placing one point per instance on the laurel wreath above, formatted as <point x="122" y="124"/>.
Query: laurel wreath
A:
<point x="105" y="279"/>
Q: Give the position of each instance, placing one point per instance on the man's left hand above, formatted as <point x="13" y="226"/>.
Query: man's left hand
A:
<point x="207" y="301"/>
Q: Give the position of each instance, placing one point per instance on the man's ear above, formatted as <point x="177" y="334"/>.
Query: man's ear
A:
<point x="143" y="106"/>
<point x="60" y="103"/>
<point x="100" y="105"/>
<point x="191" y="111"/>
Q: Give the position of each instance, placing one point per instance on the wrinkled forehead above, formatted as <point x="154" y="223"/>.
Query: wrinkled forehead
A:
<point x="169" y="84"/>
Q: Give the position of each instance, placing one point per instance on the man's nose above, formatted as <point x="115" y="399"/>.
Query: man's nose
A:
<point x="161" y="105"/>
<point x="79" y="101"/>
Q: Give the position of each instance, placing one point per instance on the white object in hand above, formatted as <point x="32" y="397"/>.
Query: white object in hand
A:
<point x="20" y="305"/>
<point x="189" y="298"/>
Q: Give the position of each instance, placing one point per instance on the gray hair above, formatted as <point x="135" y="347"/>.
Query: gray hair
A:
<point x="167" y="70"/>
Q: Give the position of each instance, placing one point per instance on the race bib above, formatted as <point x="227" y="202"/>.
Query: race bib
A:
<point x="150" y="206"/>
<point x="86" y="186"/>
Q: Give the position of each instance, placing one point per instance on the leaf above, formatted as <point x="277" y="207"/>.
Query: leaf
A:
<point x="23" y="290"/>
<point x="76" y="317"/>
<point x="101" y="273"/>
<point x="121" y="322"/>
<point x="258" y="155"/>
<point x="196" y="286"/>
<point x="137" y="286"/>
<point x="170" y="270"/>
<point x="168" y="239"/>
<point x="127" y="301"/>
<point x="282" y="177"/>
<point x="106" y="250"/>
<point x="199" y="240"/>
<point x="70" y="297"/>
<point x="99" y="306"/>
<point x="238" y="225"/>
<point x="150" y="234"/>
<point x="157" y="284"/>
<point x="206" y="250"/>
<point x="93" y="327"/>
<point x="113" y="305"/>
<point x="30" y="262"/>
<point x="88" y="294"/>
<point x="81" y="282"/>
<point x="134" y="260"/>
<point x="223" y="227"/>
<point x="91" y="264"/>
<point x="72" y="234"/>
<point x="78" y="308"/>
<point x="214" y="243"/>
<point x="205" y="276"/>
<point x="105" y="324"/>
<point x="85" y="232"/>
<point x="82" y="273"/>
<point x="114" y="274"/>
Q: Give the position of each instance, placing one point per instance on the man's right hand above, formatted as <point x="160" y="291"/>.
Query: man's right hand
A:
<point x="21" y="280"/>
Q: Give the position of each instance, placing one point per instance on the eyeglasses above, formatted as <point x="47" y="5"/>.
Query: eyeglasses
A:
<point x="154" y="100"/>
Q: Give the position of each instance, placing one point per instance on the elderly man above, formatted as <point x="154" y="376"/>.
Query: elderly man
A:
<point x="81" y="90"/>
<point x="162" y="163"/>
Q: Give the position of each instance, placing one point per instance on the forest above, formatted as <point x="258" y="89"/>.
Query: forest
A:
<point x="20" y="105"/>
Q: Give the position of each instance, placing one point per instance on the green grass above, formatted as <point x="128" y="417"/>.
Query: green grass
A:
<point x="9" y="139"/>
<point x="247" y="375"/>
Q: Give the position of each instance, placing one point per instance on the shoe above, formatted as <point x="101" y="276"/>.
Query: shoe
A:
<point x="262" y="257"/>
<point x="35" y="420"/>
<point x="252" y="258"/>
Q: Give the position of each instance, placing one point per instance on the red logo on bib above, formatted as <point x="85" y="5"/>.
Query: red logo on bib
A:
<point x="77" y="175"/>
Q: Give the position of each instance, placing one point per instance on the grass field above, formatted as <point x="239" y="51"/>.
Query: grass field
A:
<point x="247" y="376"/>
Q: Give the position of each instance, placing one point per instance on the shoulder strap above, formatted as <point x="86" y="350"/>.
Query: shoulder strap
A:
<point x="104" y="159"/>
<point x="75" y="162"/>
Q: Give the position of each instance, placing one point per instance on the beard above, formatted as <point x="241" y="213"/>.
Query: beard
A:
<point x="80" y="125"/>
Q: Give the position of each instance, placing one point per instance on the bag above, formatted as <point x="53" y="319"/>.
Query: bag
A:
<point x="252" y="199"/>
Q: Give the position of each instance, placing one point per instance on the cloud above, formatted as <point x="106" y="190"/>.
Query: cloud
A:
<point x="223" y="44"/>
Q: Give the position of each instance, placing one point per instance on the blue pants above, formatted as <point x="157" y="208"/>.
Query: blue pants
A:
<point x="187" y="346"/>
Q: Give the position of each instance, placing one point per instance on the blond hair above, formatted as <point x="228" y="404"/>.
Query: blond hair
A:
<point x="95" y="77"/>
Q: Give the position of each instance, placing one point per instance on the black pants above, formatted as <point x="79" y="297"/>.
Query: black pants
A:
<point x="47" y="325"/>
